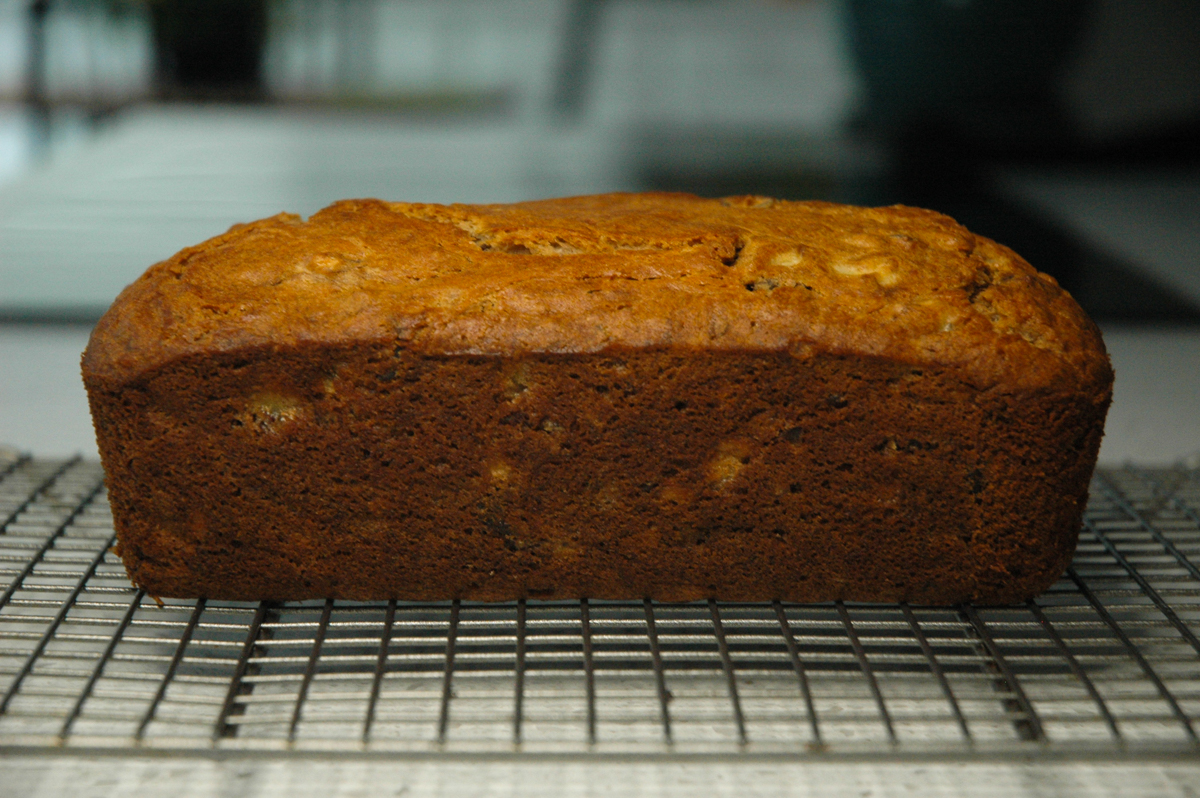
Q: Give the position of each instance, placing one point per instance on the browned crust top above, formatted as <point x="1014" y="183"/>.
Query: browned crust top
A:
<point x="611" y="272"/>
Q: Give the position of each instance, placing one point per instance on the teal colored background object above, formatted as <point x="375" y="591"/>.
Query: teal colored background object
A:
<point x="947" y="58"/>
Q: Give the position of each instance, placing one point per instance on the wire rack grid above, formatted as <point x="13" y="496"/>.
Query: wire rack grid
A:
<point x="1107" y="662"/>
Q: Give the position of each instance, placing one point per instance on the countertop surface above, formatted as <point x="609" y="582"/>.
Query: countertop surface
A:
<point x="143" y="777"/>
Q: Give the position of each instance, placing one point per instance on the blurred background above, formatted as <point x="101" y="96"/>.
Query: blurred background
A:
<point x="1069" y="130"/>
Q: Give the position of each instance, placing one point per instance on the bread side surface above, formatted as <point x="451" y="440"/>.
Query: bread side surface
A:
<point x="623" y="396"/>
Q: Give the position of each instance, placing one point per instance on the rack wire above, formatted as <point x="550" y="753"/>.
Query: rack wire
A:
<point x="1105" y="662"/>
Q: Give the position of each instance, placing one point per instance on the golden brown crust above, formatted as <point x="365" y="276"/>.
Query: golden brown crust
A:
<point x="615" y="396"/>
<point x="585" y="274"/>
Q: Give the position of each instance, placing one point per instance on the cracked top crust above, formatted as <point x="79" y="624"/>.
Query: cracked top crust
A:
<point x="612" y="272"/>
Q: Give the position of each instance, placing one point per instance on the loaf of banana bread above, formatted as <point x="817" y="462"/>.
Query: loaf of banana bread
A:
<point x="617" y="396"/>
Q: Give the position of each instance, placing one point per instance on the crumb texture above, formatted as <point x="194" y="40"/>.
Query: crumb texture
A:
<point x="620" y="396"/>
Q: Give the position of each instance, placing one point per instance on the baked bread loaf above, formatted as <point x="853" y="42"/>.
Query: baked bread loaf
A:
<point x="618" y="396"/>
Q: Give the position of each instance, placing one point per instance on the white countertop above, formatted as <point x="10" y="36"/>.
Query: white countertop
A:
<point x="186" y="777"/>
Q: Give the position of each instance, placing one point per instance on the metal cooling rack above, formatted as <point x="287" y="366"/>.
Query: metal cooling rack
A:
<point x="1106" y="662"/>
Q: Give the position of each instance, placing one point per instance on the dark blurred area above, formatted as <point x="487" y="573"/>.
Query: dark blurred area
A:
<point x="971" y="107"/>
<point x="958" y="90"/>
<point x="209" y="49"/>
